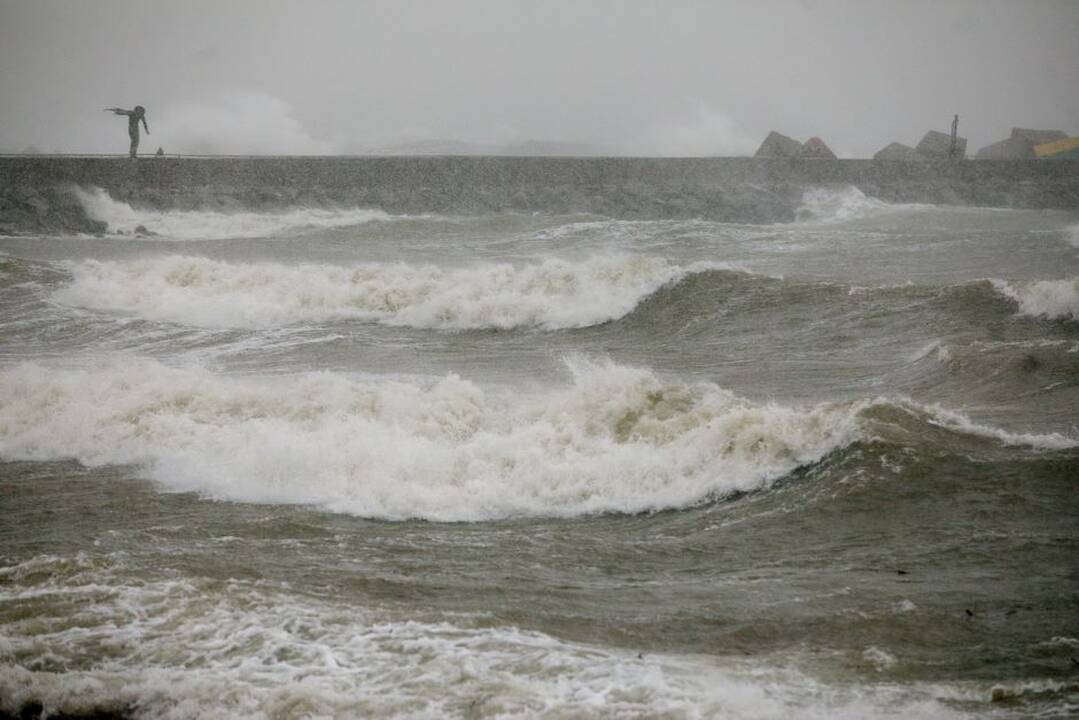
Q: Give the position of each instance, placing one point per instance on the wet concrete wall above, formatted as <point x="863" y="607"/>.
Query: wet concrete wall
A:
<point x="733" y="189"/>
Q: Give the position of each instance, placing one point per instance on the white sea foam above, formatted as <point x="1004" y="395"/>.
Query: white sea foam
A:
<point x="197" y="291"/>
<point x="881" y="660"/>
<point x="839" y="204"/>
<point x="1051" y="299"/>
<point x="180" y="649"/>
<point x="617" y="439"/>
<point x="1059" y="642"/>
<point x="215" y="225"/>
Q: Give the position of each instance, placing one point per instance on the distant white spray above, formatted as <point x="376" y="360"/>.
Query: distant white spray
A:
<point x="235" y="123"/>
<point x="840" y="204"/>
<point x="214" y="225"/>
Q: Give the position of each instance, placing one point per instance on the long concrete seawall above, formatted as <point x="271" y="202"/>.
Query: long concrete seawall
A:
<point x="35" y="191"/>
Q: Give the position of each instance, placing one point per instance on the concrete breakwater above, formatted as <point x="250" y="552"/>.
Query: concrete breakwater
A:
<point x="36" y="197"/>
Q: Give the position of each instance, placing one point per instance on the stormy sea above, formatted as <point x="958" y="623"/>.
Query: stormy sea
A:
<point x="337" y="462"/>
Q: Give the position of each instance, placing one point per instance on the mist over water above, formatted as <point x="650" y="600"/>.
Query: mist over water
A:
<point x="326" y="461"/>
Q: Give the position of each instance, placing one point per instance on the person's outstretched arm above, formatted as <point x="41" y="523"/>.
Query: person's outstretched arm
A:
<point x="147" y="127"/>
<point x="118" y="111"/>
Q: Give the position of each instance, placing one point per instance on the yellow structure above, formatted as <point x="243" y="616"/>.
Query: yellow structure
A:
<point x="1059" y="150"/>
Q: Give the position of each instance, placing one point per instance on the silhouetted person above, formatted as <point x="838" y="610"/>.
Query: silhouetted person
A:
<point x="133" y="117"/>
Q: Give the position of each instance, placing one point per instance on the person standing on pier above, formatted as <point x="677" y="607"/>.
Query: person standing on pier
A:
<point x="133" y="117"/>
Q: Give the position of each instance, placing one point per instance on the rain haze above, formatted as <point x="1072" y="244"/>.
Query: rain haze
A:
<point x="494" y="359"/>
<point x="622" y="78"/>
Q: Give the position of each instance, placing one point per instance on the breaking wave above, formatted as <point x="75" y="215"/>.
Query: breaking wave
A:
<point x="553" y="294"/>
<point x="1051" y="299"/>
<point x="186" y="648"/>
<point x="213" y="225"/>
<point x="839" y="204"/>
<point x="617" y="439"/>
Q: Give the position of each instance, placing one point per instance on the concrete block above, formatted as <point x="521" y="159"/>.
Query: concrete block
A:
<point x="899" y="151"/>
<point x="938" y="144"/>
<point x="1038" y="137"/>
<point x="777" y="145"/>
<point x="814" y="147"/>
<point x="1014" y="148"/>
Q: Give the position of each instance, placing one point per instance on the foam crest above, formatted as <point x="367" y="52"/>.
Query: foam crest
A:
<point x="213" y="225"/>
<point x="1051" y="299"/>
<point x="552" y="294"/>
<point x="190" y="648"/>
<point x="616" y="439"/>
<point x="958" y="423"/>
<point x="839" y="204"/>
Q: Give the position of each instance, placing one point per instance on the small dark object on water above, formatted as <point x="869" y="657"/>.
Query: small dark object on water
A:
<point x="901" y="572"/>
<point x="970" y="613"/>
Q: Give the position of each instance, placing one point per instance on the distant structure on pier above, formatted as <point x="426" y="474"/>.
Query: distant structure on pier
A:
<point x="1020" y="145"/>
<point x="899" y="152"/>
<point x="940" y="145"/>
<point x="1024" y="144"/>
<point x="814" y="147"/>
<point x="1067" y="149"/>
<point x="777" y="145"/>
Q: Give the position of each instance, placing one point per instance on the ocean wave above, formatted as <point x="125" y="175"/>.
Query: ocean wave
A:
<point x="553" y="294"/>
<point x="617" y="439"/>
<point x="187" y="648"/>
<point x="959" y="424"/>
<point x="840" y="204"/>
<point x="214" y="225"/>
<point x="1050" y="299"/>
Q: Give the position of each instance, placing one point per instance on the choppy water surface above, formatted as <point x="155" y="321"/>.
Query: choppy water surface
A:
<point x="342" y="463"/>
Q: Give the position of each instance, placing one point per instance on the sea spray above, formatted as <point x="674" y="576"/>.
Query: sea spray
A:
<point x="840" y="204"/>
<point x="1051" y="299"/>
<point x="121" y="217"/>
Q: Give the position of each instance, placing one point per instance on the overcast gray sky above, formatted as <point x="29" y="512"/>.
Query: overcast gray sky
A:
<point x="650" y="78"/>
